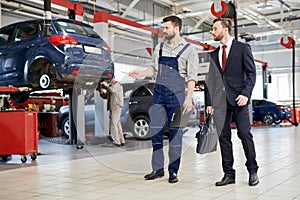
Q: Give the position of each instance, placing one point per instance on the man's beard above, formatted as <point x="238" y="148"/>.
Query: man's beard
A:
<point x="169" y="37"/>
<point x="218" y="37"/>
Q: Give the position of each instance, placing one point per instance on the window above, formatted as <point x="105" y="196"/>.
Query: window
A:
<point x="258" y="103"/>
<point x="4" y="36"/>
<point x="25" y="31"/>
<point x="141" y="91"/>
<point x="75" y="28"/>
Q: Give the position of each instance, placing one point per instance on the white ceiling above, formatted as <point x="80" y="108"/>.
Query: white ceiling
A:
<point x="258" y="18"/>
<point x="266" y="20"/>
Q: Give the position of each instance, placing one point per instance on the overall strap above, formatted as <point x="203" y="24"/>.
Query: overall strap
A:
<point x="160" y="48"/>
<point x="182" y="50"/>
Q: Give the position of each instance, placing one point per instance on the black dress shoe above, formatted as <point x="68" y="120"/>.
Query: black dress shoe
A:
<point x="118" y="145"/>
<point x="173" y="178"/>
<point x="154" y="174"/>
<point x="225" y="181"/>
<point x="253" y="179"/>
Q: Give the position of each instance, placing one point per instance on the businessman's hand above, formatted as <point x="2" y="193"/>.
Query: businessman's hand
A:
<point x="241" y="100"/>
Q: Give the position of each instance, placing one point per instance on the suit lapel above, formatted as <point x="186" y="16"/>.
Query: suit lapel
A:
<point x="231" y="53"/>
<point x="215" y="57"/>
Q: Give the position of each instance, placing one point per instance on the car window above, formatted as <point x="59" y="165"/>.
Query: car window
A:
<point x="141" y="91"/>
<point x="69" y="27"/>
<point x="128" y="89"/>
<point x="25" y="31"/>
<point x="4" y="35"/>
<point x="258" y="102"/>
<point x="127" y="93"/>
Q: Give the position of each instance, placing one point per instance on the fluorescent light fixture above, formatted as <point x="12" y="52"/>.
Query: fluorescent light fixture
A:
<point x="264" y="5"/>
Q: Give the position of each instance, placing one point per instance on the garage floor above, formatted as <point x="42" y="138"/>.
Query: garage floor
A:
<point x="112" y="173"/>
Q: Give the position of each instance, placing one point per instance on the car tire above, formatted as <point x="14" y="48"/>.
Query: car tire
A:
<point x="278" y="121"/>
<point x="42" y="75"/>
<point x="268" y="119"/>
<point x="65" y="127"/>
<point x="19" y="97"/>
<point x="140" y="127"/>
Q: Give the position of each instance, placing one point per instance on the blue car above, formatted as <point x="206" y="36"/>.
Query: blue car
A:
<point x="73" y="53"/>
<point x="270" y="112"/>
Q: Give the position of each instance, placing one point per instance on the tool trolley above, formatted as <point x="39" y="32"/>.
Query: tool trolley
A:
<point x="18" y="134"/>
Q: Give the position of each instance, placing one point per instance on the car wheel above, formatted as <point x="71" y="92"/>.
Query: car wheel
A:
<point x="278" y="121"/>
<point x="42" y="75"/>
<point x="44" y="81"/>
<point x="141" y="127"/>
<point x="65" y="126"/>
<point x="268" y="119"/>
<point x="19" y="97"/>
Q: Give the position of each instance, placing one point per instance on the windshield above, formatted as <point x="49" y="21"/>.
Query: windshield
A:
<point x="75" y="28"/>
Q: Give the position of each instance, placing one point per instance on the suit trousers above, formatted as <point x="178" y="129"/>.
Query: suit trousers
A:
<point x="241" y="117"/>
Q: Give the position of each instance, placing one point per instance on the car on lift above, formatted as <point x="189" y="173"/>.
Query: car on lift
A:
<point x="270" y="112"/>
<point x="134" y="115"/>
<point x="72" y="53"/>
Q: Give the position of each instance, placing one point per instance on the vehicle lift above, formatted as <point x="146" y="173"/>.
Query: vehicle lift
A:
<point x="77" y="118"/>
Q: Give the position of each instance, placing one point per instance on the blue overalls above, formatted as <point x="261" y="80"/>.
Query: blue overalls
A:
<point x="169" y="93"/>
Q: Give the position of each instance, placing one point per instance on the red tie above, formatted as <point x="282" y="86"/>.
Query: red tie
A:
<point x="224" y="57"/>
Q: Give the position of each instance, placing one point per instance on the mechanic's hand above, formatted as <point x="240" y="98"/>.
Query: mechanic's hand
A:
<point x="209" y="110"/>
<point x="135" y="74"/>
<point x="104" y="83"/>
<point x="187" y="106"/>
<point x="241" y="100"/>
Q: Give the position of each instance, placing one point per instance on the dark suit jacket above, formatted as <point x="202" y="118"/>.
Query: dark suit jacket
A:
<point x="238" y="77"/>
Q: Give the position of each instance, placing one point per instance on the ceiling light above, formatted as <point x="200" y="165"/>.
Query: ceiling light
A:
<point x="264" y="5"/>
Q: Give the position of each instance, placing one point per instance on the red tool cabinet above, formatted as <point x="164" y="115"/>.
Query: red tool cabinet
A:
<point x="19" y="134"/>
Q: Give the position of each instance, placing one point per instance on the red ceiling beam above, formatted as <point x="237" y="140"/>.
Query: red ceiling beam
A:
<point x="104" y="17"/>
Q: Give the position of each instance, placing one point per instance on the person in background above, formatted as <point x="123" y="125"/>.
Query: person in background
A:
<point x="233" y="64"/>
<point x="175" y="63"/>
<point x="113" y="92"/>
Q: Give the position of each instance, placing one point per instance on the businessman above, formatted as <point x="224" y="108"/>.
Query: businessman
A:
<point x="233" y="63"/>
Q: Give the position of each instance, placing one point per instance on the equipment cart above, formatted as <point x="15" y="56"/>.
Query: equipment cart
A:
<point x="19" y="134"/>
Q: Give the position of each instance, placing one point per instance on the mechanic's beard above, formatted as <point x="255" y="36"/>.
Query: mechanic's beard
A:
<point x="169" y="37"/>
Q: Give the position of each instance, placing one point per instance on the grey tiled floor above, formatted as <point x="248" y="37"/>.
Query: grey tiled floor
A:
<point x="63" y="172"/>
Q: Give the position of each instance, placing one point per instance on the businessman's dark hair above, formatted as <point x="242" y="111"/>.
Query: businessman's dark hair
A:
<point x="226" y="23"/>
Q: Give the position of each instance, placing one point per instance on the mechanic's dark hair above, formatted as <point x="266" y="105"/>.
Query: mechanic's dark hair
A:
<point x="176" y="21"/>
<point x="226" y="23"/>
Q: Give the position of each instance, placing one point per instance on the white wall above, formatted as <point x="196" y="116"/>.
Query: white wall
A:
<point x="7" y="18"/>
<point x="280" y="89"/>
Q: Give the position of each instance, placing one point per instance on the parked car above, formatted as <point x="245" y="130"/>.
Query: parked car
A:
<point x="270" y="112"/>
<point x="73" y="51"/>
<point x="134" y="115"/>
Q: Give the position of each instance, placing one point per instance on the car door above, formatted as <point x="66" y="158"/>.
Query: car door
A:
<point x="21" y="46"/>
<point x="259" y="109"/>
<point x="140" y="101"/>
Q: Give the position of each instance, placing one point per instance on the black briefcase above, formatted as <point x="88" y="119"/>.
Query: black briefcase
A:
<point x="207" y="137"/>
